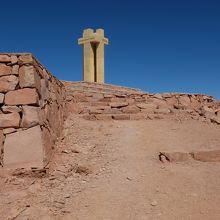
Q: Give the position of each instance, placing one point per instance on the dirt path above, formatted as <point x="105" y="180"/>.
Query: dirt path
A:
<point x="140" y="187"/>
<point x="110" y="171"/>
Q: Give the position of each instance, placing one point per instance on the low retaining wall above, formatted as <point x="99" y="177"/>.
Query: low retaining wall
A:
<point x="106" y="102"/>
<point x="31" y="113"/>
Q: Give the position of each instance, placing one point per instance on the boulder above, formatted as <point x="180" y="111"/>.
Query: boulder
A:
<point x="8" y="83"/>
<point x="5" y="70"/>
<point x="11" y="120"/>
<point x="24" y="149"/>
<point x="26" y="96"/>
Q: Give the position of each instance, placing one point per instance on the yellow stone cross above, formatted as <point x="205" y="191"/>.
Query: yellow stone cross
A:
<point x="93" y="54"/>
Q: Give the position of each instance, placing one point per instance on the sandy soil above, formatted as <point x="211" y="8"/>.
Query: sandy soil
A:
<point x="109" y="170"/>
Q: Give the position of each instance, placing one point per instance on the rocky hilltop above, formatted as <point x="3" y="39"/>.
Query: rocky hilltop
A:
<point x="88" y="151"/>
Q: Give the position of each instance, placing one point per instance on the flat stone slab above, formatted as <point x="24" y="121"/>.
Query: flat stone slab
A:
<point x="204" y="156"/>
<point x="24" y="149"/>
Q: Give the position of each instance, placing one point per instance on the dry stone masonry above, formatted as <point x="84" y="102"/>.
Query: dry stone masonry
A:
<point x="32" y="111"/>
<point x="106" y="102"/>
<point x="33" y="104"/>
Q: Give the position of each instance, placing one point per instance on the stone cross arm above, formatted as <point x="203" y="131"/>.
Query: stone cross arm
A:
<point x="94" y="37"/>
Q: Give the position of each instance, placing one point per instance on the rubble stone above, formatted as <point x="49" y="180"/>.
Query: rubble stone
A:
<point x="2" y="96"/>
<point x="5" y="70"/>
<point x="8" y="83"/>
<point x="30" y="116"/>
<point x="28" y="77"/>
<point x="118" y="104"/>
<point x="10" y="109"/>
<point x="5" y="58"/>
<point x="121" y="117"/>
<point x="11" y="120"/>
<point x="14" y="59"/>
<point x="24" y="96"/>
<point x="25" y="59"/>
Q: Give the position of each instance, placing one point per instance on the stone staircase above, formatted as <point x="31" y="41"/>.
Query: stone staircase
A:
<point x="93" y="87"/>
<point x="96" y="101"/>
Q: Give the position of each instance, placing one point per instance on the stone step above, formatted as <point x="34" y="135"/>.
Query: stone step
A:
<point x="95" y="87"/>
<point x="122" y="116"/>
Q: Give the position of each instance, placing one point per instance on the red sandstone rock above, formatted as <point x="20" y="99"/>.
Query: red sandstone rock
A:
<point x="11" y="120"/>
<point x="175" y="156"/>
<point x="207" y="156"/>
<point x="171" y="101"/>
<point x="2" y="96"/>
<point x="112" y="111"/>
<point x="44" y="90"/>
<point x="184" y="101"/>
<point x="160" y="103"/>
<point x="158" y="96"/>
<point x="28" y="77"/>
<point x="121" y="117"/>
<point x="130" y="109"/>
<point x="2" y="138"/>
<point x="9" y="130"/>
<point x="147" y="106"/>
<point x="162" y="111"/>
<point x="103" y="117"/>
<point x="5" y="70"/>
<point x="10" y="109"/>
<point x="8" y="83"/>
<point x="14" y="59"/>
<point x="25" y="59"/>
<point x="209" y="113"/>
<point x="216" y="119"/>
<point x="5" y="58"/>
<point x="195" y="104"/>
<point x="118" y="104"/>
<point x="139" y="116"/>
<point x="24" y="149"/>
<point x="80" y="97"/>
<point x="30" y="116"/>
<point x="98" y="96"/>
<point x="25" y="96"/>
<point x="15" y="69"/>
<point x="95" y="111"/>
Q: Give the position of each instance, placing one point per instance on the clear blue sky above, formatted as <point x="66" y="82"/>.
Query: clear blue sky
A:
<point x="155" y="45"/>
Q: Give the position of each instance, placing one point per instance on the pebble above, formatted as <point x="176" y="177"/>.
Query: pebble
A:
<point x="129" y="178"/>
<point x="154" y="203"/>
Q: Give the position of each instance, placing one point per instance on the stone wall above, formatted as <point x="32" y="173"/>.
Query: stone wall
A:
<point x="31" y="112"/>
<point x="95" y="101"/>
